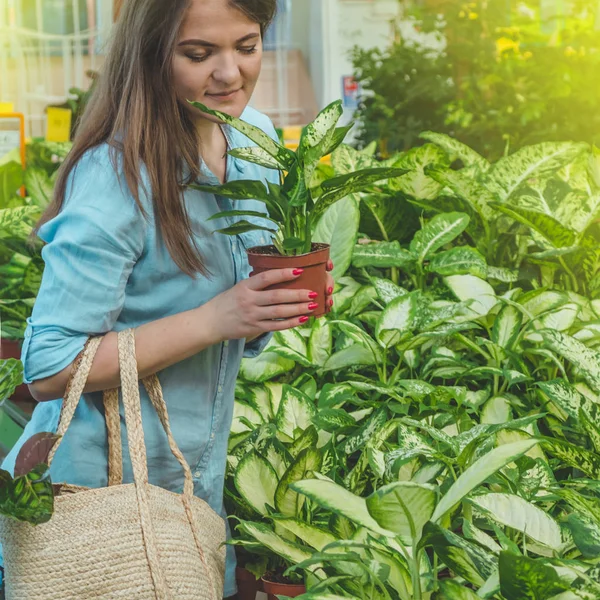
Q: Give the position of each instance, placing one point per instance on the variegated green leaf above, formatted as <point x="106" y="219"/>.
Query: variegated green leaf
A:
<point x="256" y="155"/>
<point x="547" y="226"/>
<point x="264" y="367"/>
<point x="339" y="500"/>
<point x="338" y="227"/>
<point x="354" y="355"/>
<point x="256" y="481"/>
<point x="403" y="507"/>
<point x="564" y="395"/>
<point x="398" y="320"/>
<point x="457" y="150"/>
<point x="468" y="189"/>
<point x="282" y="155"/>
<point x="339" y="187"/>
<point x="507" y="327"/>
<point x="478" y="472"/>
<point x="586" y="534"/>
<point x="515" y="512"/>
<point x="462" y="260"/>
<point x="387" y="290"/>
<point x="441" y="230"/>
<point x="287" y="501"/>
<point x="320" y="342"/>
<point x="267" y="537"/>
<point x="295" y="412"/>
<point x="574" y="456"/>
<point x="381" y="254"/>
<point x="28" y="498"/>
<point x="310" y="534"/>
<point x="360" y="438"/>
<point x="512" y="172"/>
<point x="586" y="359"/>
<point x="480" y="293"/>
<point x="417" y="183"/>
<point x="465" y="558"/>
<point x="11" y="376"/>
<point x="523" y="578"/>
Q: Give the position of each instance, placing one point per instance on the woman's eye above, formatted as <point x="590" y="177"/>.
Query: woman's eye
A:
<point x="197" y="58"/>
<point x="248" y="49"/>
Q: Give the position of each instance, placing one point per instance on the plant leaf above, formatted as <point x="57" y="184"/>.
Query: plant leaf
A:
<point x="339" y="187"/>
<point x="523" y="578"/>
<point x="282" y="155"/>
<point x="441" y="230"/>
<point x="256" y="482"/>
<point x="287" y="501"/>
<point x="295" y="413"/>
<point x="478" y="472"/>
<point x="403" y="507"/>
<point x="546" y="225"/>
<point x="381" y="254"/>
<point x="463" y="260"/>
<point x="515" y="512"/>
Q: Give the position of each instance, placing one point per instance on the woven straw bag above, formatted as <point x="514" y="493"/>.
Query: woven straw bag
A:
<point x="134" y="541"/>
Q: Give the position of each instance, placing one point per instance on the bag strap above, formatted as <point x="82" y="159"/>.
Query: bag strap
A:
<point x="75" y="386"/>
<point x="137" y="451"/>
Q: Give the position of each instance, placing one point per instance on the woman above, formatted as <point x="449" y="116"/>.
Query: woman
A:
<point x="126" y="247"/>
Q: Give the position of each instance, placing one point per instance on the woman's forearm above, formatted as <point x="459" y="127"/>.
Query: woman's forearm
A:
<point x="159" y="344"/>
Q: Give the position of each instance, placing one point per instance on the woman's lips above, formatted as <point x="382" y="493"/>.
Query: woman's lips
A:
<point x="224" y="95"/>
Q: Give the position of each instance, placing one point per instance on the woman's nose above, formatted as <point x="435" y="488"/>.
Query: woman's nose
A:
<point x="227" y="70"/>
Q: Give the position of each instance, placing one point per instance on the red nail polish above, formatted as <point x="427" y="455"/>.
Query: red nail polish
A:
<point x="297" y="272"/>
<point x="303" y="319"/>
<point x="313" y="295"/>
<point x="313" y="306"/>
<point x="330" y="291"/>
<point x="331" y="302"/>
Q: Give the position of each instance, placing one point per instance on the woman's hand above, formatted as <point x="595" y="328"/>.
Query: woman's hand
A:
<point x="329" y="286"/>
<point x="248" y="309"/>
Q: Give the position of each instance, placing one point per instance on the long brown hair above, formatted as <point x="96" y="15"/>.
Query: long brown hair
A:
<point x="134" y="98"/>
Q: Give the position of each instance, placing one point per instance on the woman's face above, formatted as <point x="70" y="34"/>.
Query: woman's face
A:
<point x="218" y="57"/>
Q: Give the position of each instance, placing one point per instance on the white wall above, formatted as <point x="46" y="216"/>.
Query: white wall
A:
<point x="335" y="27"/>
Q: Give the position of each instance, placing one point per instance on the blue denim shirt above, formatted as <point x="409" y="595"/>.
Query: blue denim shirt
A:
<point x="108" y="270"/>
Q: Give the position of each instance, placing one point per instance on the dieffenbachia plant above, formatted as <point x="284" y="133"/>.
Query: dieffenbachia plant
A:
<point x="294" y="206"/>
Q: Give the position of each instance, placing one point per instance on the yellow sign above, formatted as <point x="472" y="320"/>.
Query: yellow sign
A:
<point x="7" y="107"/>
<point x="58" y="127"/>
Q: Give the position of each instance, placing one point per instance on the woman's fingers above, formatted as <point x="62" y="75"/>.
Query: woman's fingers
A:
<point x="275" y="297"/>
<point x="287" y="311"/>
<point x="330" y="266"/>
<point x="266" y="279"/>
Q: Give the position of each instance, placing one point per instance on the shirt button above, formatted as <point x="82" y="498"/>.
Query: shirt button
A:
<point x="220" y="389"/>
<point x="226" y="343"/>
<point x="197" y="474"/>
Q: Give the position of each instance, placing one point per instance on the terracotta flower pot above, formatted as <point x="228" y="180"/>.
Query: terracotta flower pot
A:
<point x="291" y="590"/>
<point x="248" y="586"/>
<point x="314" y="277"/>
<point x="12" y="349"/>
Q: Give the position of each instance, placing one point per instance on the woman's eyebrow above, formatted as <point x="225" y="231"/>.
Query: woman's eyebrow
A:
<point x="195" y="42"/>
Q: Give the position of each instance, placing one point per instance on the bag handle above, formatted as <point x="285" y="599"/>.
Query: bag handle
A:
<point x="75" y="386"/>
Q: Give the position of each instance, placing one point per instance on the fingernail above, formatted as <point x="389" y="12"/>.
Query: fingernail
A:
<point x="303" y="319"/>
<point x="313" y="295"/>
<point x="313" y="306"/>
<point x="330" y="291"/>
<point x="297" y="272"/>
<point x="331" y="302"/>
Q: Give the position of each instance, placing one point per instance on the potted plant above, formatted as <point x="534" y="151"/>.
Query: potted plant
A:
<point x="295" y="205"/>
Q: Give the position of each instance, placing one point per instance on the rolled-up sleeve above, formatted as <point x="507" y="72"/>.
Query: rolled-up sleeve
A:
<point x="256" y="346"/>
<point x="91" y="249"/>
